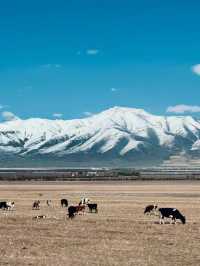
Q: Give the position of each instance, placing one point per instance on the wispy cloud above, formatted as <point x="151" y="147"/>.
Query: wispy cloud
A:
<point x="89" y="52"/>
<point x="4" y="106"/>
<point x="9" y="116"/>
<point x="113" y="89"/>
<point x="57" y="115"/>
<point x="196" y="69"/>
<point x="92" y="51"/>
<point x="48" y="66"/>
<point x="182" y="108"/>
<point x="88" y="113"/>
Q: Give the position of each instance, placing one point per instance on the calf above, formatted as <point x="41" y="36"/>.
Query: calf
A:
<point x="64" y="202"/>
<point x="39" y="217"/>
<point x="92" y="206"/>
<point x="48" y="202"/>
<point x="150" y="209"/>
<point x="172" y="213"/>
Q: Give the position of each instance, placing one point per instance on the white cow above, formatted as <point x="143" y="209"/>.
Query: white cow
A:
<point x="84" y="201"/>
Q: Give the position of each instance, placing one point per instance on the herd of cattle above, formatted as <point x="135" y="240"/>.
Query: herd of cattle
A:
<point x="73" y="210"/>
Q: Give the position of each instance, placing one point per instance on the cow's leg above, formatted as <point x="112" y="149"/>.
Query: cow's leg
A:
<point x="162" y="219"/>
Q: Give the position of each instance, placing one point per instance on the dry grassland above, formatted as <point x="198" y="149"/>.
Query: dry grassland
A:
<point x="118" y="235"/>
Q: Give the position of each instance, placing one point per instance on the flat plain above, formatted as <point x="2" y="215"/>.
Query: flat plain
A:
<point x="119" y="234"/>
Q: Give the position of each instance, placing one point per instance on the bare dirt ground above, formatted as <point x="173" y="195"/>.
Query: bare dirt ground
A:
<point x="118" y="235"/>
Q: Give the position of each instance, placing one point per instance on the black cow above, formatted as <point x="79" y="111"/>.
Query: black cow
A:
<point x="150" y="209"/>
<point x="172" y="213"/>
<point x="64" y="202"/>
<point x="72" y="210"/>
<point x="3" y="205"/>
<point x="92" y="206"/>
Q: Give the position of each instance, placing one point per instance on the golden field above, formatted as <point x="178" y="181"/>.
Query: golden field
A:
<point x="119" y="234"/>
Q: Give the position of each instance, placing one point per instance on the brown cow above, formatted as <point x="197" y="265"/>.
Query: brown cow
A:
<point x="36" y="205"/>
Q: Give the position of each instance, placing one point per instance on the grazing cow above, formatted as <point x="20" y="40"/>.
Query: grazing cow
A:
<point x="39" y="217"/>
<point x="72" y="211"/>
<point x="36" y="205"/>
<point x="92" y="206"/>
<point x="64" y="202"/>
<point x="150" y="209"/>
<point x="172" y="213"/>
<point x="84" y="201"/>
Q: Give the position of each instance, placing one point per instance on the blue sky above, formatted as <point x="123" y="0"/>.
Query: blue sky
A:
<point x="78" y="57"/>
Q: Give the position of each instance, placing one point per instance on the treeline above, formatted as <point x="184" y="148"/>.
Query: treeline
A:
<point x="72" y="175"/>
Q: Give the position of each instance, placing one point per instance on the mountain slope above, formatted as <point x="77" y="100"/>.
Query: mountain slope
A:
<point x="118" y="136"/>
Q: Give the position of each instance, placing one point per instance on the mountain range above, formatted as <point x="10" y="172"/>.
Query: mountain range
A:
<point x="116" y="137"/>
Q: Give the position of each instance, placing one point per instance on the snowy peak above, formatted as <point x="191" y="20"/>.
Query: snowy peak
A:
<point x="117" y="134"/>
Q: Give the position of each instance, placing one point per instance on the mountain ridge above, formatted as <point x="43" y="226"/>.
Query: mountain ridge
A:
<point x="117" y="136"/>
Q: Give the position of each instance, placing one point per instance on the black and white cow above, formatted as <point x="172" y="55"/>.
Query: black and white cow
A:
<point x="4" y="205"/>
<point x="172" y="213"/>
<point x="64" y="202"/>
<point x="150" y="209"/>
<point x="84" y="201"/>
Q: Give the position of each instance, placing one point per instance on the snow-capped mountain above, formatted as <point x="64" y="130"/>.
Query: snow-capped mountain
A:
<point x="116" y="137"/>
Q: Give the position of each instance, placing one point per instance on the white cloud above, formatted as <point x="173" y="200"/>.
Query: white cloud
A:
<point x="114" y="89"/>
<point x="196" y="69"/>
<point x="9" y="116"/>
<point x="92" y="51"/>
<point x="182" y="108"/>
<point x="57" y="115"/>
<point x="88" y="113"/>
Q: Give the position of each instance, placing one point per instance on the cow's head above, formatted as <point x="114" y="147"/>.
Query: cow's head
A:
<point x="183" y="220"/>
